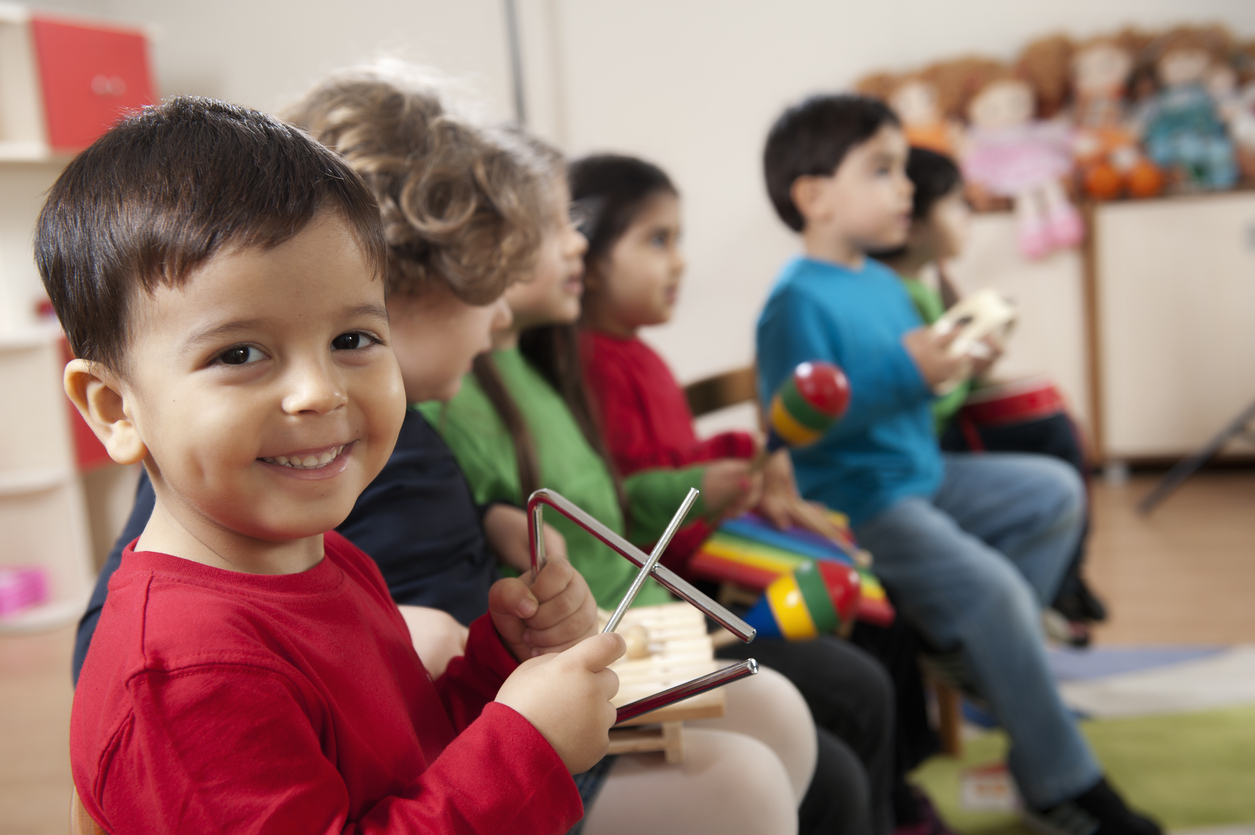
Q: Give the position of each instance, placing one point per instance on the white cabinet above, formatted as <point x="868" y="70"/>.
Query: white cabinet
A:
<point x="42" y="514"/>
<point x="1049" y="335"/>
<point x="1175" y="317"/>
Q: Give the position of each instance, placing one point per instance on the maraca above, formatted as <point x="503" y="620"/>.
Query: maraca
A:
<point x="819" y="598"/>
<point x="808" y="403"/>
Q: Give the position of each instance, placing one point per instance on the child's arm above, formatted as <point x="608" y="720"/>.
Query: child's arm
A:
<point x="625" y="413"/>
<point x="796" y="328"/>
<point x="245" y="751"/>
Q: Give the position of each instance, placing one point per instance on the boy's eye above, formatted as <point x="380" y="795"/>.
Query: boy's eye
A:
<point x="352" y="341"/>
<point x="240" y="355"/>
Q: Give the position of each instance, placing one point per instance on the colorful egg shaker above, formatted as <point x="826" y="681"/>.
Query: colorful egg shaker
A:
<point x="817" y="599"/>
<point x="813" y="398"/>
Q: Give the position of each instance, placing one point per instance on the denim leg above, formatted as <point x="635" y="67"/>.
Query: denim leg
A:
<point x="1030" y="508"/>
<point x="962" y="593"/>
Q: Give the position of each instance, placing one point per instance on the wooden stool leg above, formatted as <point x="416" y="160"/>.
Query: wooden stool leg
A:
<point x="949" y="718"/>
<point x="81" y="823"/>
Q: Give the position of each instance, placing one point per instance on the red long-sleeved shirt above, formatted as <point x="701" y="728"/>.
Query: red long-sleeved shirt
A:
<point x="647" y="422"/>
<point x="216" y="701"/>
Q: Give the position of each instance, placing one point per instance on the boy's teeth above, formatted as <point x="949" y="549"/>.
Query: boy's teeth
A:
<point x="307" y="462"/>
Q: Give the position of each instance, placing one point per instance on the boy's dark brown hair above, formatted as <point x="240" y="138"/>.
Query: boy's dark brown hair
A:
<point x="811" y="139"/>
<point x="166" y="190"/>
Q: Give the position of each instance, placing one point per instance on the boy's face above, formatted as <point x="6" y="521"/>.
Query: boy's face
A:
<point x="866" y="203"/>
<point x="264" y="389"/>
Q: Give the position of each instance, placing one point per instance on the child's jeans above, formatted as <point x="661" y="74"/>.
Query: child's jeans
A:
<point x="971" y="568"/>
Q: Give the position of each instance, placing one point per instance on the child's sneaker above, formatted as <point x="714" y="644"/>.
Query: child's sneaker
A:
<point x="1066" y="630"/>
<point x="1099" y="811"/>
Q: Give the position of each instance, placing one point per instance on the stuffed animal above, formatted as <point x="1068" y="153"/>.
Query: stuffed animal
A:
<point x="1181" y="125"/>
<point x="1010" y="152"/>
<point x="1110" y="161"/>
<point x="915" y="99"/>
<point x="1241" y="115"/>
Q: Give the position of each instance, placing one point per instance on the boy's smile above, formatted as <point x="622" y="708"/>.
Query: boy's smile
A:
<point x="267" y="396"/>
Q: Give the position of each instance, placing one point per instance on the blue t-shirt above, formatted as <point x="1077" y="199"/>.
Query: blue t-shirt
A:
<point x="883" y="449"/>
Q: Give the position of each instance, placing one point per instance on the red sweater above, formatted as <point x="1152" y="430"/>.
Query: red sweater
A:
<point x="646" y="420"/>
<point x="216" y="701"/>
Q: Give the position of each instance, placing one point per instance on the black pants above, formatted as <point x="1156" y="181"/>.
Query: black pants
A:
<point x="852" y="700"/>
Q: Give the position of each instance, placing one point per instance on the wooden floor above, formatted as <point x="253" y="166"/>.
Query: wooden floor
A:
<point x="1185" y="575"/>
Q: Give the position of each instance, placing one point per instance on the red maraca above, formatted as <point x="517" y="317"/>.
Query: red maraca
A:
<point x="813" y="398"/>
<point x="820" y="598"/>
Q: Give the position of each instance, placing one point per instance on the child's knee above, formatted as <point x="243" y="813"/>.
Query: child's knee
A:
<point x="1061" y="492"/>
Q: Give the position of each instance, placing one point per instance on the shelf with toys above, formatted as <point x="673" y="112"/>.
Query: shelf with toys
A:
<point x="1114" y="183"/>
<point x="62" y="82"/>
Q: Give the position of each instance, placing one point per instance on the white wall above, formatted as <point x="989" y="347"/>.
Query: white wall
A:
<point x="264" y="53"/>
<point x="694" y="86"/>
<point x="691" y="84"/>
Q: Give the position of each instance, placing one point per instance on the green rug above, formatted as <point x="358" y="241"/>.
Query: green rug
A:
<point x="1189" y="770"/>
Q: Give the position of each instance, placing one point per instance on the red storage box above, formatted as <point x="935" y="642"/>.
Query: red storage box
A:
<point x="92" y="75"/>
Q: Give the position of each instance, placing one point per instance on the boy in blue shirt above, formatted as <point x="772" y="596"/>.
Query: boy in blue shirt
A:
<point x="970" y="547"/>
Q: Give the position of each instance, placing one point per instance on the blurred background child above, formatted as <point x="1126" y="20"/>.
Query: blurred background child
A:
<point x="523" y="422"/>
<point x="939" y="223"/>
<point x="634" y="269"/>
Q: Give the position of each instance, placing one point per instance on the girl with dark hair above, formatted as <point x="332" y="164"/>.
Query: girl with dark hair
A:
<point x="939" y="224"/>
<point x="523" y="422"/>
<point x="634" y="268"/>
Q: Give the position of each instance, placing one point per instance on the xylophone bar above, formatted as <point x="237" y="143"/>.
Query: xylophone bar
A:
<point x="668" y="578"/>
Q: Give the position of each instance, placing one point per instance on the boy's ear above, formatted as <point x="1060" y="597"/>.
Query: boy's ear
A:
<point x="97" y="394"/>
<point x="806" y="192"/>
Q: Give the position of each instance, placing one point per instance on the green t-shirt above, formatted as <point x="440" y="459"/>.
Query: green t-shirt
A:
<point x="930" y="306"/>
<point x="568" y="464"/>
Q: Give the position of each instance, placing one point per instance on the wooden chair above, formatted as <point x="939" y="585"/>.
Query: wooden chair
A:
<point x="82" y="823"/>
<point x="732" y="388"/>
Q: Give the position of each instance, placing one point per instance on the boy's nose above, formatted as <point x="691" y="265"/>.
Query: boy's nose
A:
<point x="315" y="388"/>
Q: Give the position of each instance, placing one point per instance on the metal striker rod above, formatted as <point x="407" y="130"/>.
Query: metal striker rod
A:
<point x="654" y="556"/>
<point x="688" y="689"/>
<point x="669" y="579"/>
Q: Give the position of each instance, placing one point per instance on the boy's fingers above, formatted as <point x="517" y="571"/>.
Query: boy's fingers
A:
<point x="598" y="651"/>
<point x="944" y="340"/>
<point x="560" y="607"/>
<point x="554" y="578"/>
<point x="511" y="596"/>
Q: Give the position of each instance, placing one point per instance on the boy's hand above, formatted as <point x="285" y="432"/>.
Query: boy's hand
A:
<point x="783" y="506"/>
<point x="505" y="528"/>
<point x="932" y="355"/>
<point x="567" y="698"/>
<point x="729" y="488"/>
<point x="991" y="353"/>
<point x="545" y="615"/>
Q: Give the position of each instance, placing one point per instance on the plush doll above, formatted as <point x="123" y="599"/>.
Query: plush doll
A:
<point x="1241" y="115"/>
<point x="1009" y="152"/>
<point x="915" y="99"/>
<point x="1110" y="161"/>
<point x="1181" y="126"/>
